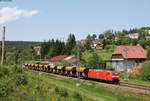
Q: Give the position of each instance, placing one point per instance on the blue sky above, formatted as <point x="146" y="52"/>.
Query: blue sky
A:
<point x="57" y="18"/>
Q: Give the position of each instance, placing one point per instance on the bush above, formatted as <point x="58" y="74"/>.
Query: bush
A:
<point x="77" y="96"/>
<point x="122" y="75"/>
<point x="145" y="71"/>
<point x="3" y="72"/>
<point x="63" y="63"/>
<point x="62" y="92"/>
<point x="134" y="76"/>
<point x="11" y="77"/>
<point x="109" y="67"/>
<point x="110" y="48"/>
<point x="92" y="60"/>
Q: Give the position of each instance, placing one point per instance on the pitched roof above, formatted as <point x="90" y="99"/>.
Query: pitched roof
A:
<point x="57" y="58"/>
<point x="131" y="51"/>
<point x="69" y="57"/>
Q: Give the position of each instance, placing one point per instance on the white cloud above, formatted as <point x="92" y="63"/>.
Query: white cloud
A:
<point x="10" y="14"/>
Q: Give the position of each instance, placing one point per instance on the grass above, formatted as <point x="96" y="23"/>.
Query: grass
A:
<point x="40" y="89"/>
<point x="94" y="92"/>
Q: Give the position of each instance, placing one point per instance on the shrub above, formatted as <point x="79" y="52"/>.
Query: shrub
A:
<point x="3" y="72"/>
<point x="11" y="77"/>
<point x="134" y="76"/>
<point x="63" y="63"/>
<point x="77" y="96"/>
<point x="57" y="90"/>
<point x="20" y="79"/>
<point x="145" y="71"/>
<point x="62" y="92"/>
<point x="92" y="60"/>
<point x="109" y="67"/>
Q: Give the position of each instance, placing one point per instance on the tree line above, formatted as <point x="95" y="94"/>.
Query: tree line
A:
<point x="56" y="47"/>
<point x="53" y="47"/>
<point x="122" y="38"/>
<point x="116" y="38"/>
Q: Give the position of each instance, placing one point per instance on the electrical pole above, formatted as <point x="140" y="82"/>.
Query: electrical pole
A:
<point x="126" y="53"/>
<point x="78" y="59"/>
<point x="3" y="46"/>
<point x="40" y="52"/>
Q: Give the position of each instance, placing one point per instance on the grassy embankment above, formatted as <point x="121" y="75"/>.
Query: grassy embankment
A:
<point x="24" y="85"/>
<point x="17" y="84"/>
<point x="92" y="91"/>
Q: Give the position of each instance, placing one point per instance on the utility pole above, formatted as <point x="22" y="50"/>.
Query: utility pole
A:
<point x="40" y="52"/>
<point x="126" y="53"/>
<point x="78" y="59"/>
<point x="3" y="46"/>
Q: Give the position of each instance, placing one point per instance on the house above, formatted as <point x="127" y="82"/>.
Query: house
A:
<point x="133" y="35"/>
<point x="56" y="59"/>
<point x="147" y="31"/>
<point x="96" y="44"/>
<point x="81" y="42"/>
<point x="126" y="58"/>
<point x="147" y="37"/>
<point x="37" y="50"/>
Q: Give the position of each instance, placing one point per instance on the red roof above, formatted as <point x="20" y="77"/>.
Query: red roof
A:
<point x="131" y="51"/>
<point x="57" y="58"/>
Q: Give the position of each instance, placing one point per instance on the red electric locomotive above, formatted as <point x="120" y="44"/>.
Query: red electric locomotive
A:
<point x="104" y="75"/>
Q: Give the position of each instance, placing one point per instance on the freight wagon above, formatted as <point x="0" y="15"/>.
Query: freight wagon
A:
<point x="82" y="72"/>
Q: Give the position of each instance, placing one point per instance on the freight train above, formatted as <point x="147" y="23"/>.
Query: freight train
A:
<point x="110" y="76"/>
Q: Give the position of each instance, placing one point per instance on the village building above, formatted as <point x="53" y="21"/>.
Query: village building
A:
<point x="81" y="42"/>
<point x="147" y="37"/>
<point x="37" y="50"/>
<point x="133" y="35"/>
<point x="97" y="44"/>
<point x="127" y="58"/>
<point x="147" y="31"/>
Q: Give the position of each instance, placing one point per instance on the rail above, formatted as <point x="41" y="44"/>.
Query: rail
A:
<point x="135" y="85"/>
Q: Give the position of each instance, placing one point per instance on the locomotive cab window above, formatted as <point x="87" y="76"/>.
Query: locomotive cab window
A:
<point x="114" y="73"/>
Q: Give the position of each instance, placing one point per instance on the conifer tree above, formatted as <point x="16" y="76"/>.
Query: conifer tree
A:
<point x="71" y="43"/>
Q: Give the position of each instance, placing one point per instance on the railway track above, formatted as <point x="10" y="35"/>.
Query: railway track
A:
<point x="138" y="87"/>
<point x="134" y="85"/>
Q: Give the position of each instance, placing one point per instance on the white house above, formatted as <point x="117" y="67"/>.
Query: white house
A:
<point x="133" y="35"/>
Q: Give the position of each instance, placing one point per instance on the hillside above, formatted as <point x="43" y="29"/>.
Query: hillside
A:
<point x="20" y="44"/>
